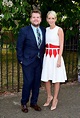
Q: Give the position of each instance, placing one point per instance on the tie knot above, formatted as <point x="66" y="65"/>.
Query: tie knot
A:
<point x="37" y="30"/>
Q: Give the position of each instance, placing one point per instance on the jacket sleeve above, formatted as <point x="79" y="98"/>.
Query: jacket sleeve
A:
<point x="20" y="45"/>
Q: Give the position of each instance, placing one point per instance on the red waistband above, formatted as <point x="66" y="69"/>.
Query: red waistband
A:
<point x="52" y="46"/>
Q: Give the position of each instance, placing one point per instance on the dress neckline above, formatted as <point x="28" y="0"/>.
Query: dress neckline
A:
<point x="52" y="28"/>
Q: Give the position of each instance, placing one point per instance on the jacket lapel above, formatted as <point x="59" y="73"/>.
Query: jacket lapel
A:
<point x="42" y="35"/>
<point x="33" y="35"/>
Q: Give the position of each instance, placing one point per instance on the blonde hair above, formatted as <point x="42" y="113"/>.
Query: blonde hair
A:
<point x="52" y="13"/>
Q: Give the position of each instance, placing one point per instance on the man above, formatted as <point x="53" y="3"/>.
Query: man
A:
<point x="30" y="51"/>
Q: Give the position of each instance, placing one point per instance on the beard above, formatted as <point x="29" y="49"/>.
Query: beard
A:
<point x="35" y="25"/>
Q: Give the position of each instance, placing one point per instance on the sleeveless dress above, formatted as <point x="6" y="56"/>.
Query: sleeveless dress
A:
<point x="50" y="71"/>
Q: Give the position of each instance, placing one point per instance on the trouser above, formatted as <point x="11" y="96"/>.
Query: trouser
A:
<point x="31" y="81"/>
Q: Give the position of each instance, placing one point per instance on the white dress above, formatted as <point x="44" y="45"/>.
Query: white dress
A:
<point x="50" y="71"/>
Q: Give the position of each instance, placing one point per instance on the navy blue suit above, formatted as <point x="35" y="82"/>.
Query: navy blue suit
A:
<point x="27" y="54"/>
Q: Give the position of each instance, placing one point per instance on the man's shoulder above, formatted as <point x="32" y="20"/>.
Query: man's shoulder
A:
<point x="43" y="28"/>
<point x="26" y="27"/>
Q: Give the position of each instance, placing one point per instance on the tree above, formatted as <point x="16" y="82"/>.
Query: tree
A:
<point x="15" y="14"/>
<point x="68" y="12"/>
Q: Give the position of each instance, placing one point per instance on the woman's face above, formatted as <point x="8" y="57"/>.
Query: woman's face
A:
<point x="51" y="20"/>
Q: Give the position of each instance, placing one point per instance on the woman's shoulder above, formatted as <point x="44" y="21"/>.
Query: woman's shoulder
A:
<point x="47" y="28"/>
<point x="58" y="27"/>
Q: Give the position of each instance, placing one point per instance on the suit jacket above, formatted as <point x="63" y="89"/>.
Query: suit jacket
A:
<point x="27" y="49"/>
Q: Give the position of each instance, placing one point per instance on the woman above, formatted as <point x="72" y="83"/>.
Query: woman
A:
<point x="53" y="63"/>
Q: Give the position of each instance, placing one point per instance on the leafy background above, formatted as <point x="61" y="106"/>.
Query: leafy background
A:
<point x="15" y="14"/>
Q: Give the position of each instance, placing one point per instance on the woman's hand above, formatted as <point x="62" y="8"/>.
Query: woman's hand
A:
<point x="59" y="62"/>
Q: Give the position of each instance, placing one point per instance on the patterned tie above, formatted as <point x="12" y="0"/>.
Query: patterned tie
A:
<point x="39" y="37"/>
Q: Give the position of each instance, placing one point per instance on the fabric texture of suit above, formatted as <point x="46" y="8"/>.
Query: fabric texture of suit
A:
<point x="27" y="49"/>
<point x="31" y="58"/>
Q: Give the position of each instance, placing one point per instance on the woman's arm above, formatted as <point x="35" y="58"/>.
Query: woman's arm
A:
<point x="61" y="42"/>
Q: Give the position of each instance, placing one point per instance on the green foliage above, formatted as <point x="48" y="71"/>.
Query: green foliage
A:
<point x="16" y="15"/>
<point x="68" y="12"/>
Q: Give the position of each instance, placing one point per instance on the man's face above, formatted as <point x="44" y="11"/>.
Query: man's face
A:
<point x="35" y="19"/>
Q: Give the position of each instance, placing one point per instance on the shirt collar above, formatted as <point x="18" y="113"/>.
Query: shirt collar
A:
<point x="34" y="27"/>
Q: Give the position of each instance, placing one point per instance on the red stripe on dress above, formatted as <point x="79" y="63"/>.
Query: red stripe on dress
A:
<point x="52" y="51"/>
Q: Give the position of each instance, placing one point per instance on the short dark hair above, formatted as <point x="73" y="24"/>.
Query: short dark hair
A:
<point x="35" y="11"/>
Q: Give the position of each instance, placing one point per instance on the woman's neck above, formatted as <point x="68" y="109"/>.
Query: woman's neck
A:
<point x="52" y="27"/>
